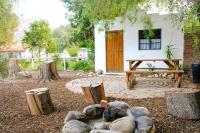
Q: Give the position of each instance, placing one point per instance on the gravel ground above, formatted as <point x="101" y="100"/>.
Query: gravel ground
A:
<point x="115" y="86"/>
<point x="15" y="118"/>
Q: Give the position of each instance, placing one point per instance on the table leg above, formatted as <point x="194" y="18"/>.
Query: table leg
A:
<point x="136" y="65"/>
<point x="130" y="79"/>
<point x="130" y="64"/>
<point x="179" y="80"/>
<point x="170" y="65"/>
<point x="176" y="65"/>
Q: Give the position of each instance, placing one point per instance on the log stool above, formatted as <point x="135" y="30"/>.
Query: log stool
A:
<point x="94" y="93"/>
<point x="39" y="101"/>
<point x="184" y="103"/>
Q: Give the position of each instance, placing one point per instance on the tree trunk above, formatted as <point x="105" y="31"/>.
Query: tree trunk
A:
<point x="184" y="104"/>
<point x="48" y="72"/>
<point x="15" y="71"/>
<point x="39" y="101"/>
<point x="94" y="93"/>
<point x="13" y="67"/>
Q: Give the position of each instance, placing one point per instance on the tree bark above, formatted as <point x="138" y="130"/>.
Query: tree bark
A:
<point x="15" y="71"/>
<point x="39" y="101"/>
<point x="94" y="93"/>
<point x="184" y="104"/>
<point x="48" y="72"/>
<point x="13" y="67"/>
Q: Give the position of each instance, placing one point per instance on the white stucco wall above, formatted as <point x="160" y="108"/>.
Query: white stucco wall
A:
<point x="169" y="33"/>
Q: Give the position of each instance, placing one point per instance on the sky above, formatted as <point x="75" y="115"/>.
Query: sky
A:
<point x="30" y="10"/>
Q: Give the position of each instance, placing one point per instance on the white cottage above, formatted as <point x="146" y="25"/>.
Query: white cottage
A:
<point x="127" y="41"/>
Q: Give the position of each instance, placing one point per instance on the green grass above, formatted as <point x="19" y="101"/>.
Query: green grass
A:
<point x="70" y="65"/>
<point x="27" y="65"/>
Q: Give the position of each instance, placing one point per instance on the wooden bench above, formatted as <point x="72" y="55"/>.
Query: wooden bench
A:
<point x="131" y="79"/>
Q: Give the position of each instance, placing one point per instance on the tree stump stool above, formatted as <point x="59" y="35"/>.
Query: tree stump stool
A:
<point x="184" y="103"/>
<point x="94" y="93"/>
<point x="39" y="101"/>
<point x="15" y="71"/>
<point x="48" y="72"/>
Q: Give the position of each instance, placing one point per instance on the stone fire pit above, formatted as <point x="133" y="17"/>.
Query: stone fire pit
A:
<point x="118" y="117"/>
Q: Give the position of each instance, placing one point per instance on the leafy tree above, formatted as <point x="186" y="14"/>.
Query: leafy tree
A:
<point x="81" y="33"/>
<point x="8" y="22"/>
<point x="39" y="37"/>
<point x="82" y="30"/>
<point x="8" y="25"/>
<point x="60" y="36"/>
<point x="108" y="10"/>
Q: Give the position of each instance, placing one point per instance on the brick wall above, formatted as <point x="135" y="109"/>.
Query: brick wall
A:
<point x="188" y="56"/>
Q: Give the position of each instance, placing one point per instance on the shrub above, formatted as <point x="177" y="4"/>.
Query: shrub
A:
<point x="84" y="66"/>
<point x="24" y="64"/>
<point x="73" y="51"/>
<point x="4" y="68"/>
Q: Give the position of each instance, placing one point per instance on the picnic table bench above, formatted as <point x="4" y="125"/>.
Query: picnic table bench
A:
<point x="173" y="67"/>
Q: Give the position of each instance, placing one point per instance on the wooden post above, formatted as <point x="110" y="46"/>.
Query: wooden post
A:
<point x="39" y="101"/>
<point x="64" y="61"/>
<point x="130" y="79"/>
<point x="32" y="63"/>
<point x="94" y="93"/>
<point x="178" y="79"/>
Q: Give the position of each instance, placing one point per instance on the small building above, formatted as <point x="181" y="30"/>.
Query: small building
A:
<point x="126" y="40"/>
<point x="11" y="51"/>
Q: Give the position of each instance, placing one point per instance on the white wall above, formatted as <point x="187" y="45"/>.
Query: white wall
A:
<point x="169" y="33"/>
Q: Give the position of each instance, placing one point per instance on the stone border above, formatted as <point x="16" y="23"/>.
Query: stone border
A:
<point x="115" y="86"/>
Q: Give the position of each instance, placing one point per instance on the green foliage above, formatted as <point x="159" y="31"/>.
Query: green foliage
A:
<point x="39" y="37"/>
<point x="169" y="50"/>
<point x="84" y="66"/>
<point x="181" y="67"/>
<point x="60" y="65"/>
<point x="52" y="46"/>
<point x="107" y="10"/>
<point x="196" y="45"/>
<point x="73" y="51"/>
<point x="148" y="26"/>
<point x="82" y="30"/>
<point x="8" y="22"/>
<point x="61" y="38"/>
<point x="150" y="67"/>
<point x="25" y="64"/>
<point x="4" y="68"/>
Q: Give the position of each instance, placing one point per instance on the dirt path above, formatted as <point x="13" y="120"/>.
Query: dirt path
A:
<point x="15" y="118"/>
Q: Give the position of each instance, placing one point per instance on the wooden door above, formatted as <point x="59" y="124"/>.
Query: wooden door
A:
<point x="114" y="52"/>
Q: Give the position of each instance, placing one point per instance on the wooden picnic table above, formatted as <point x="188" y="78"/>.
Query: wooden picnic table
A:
<point x="173" y="67"/>
<point x="173" y="64"/>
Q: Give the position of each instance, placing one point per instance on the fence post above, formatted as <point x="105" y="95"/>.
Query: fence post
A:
<point x="64" y="60"/>
<point x="32" y="62"/>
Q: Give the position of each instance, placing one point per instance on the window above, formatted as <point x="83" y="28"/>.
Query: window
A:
<point x="153" y="43"/>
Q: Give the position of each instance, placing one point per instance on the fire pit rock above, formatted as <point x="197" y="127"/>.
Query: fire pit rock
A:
<point x="74" y="115"/>
<point x="124" y="125"/>
<point x="144" y="125"/>
<point x="103" y="131"/>
<point x="102" y="125"/>
<point x="118" y="117"/>
<point x="138" y="111"/>
<point x="93" y="111"/>
<point x="75" y="126"/>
